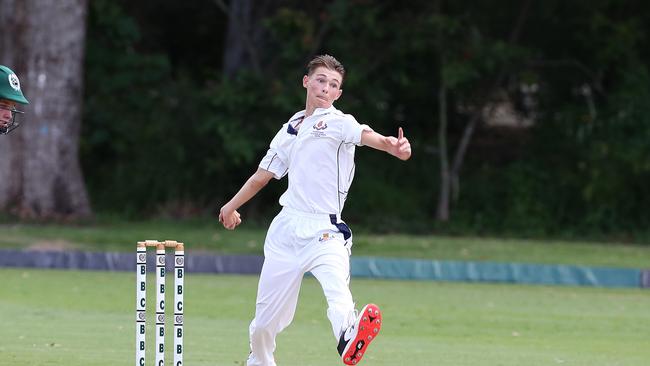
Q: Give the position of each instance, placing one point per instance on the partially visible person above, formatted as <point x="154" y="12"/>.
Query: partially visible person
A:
<point x="10" y="96"/>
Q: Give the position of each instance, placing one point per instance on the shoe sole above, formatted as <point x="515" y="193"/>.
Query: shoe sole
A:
<point x="367" y="330"/>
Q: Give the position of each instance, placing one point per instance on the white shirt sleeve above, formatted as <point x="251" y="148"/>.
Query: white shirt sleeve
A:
<point x="272" y="163"/>
<point x="276" y="159"/>
<point x="351" y="130"/>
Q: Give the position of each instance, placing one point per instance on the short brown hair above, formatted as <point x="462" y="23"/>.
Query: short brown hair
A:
<point x="326" y="61"/>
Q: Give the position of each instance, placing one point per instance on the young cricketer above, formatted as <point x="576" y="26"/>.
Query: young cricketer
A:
<point x="315" y="148"/>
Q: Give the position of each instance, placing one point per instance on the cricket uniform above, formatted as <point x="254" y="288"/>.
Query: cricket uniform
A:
<point x="308" y="235"/>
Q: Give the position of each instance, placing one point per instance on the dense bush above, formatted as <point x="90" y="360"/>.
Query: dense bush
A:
<point x="166" y="133"/>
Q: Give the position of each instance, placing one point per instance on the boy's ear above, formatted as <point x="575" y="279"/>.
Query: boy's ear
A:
<point x="340" y="92"/>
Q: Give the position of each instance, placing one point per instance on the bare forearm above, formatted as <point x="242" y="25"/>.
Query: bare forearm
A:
<point x="397" y="146"/>
<point x="253" y="185"/>
<point x="228" y="214"/>
<point x="374" y="140"/>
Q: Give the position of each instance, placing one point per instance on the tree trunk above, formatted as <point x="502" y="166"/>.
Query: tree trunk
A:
<point x="244" y="35"/>
<point x="468" y="132"/>
<point x="442" y="212"/>
<point x="11" y="146"/>
<point x="44" y="43"/>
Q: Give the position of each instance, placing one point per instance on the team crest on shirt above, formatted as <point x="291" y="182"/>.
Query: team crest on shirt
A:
<point x="318" y="129"/>
<point x="320" y="126"/>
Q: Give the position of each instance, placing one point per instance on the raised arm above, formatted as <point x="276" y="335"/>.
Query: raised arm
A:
<point x="228" y="214"/>
<point x="397" y="146"/>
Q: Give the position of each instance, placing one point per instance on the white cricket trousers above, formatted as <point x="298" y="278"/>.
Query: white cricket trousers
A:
<point x="295" y="244"/>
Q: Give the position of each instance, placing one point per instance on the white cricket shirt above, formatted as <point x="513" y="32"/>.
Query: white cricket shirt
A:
<point x="318" y="154"/>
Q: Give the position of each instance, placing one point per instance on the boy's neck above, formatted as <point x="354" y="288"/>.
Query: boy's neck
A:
<point x="309" y="110"/>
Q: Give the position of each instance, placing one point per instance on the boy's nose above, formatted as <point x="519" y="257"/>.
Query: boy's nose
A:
<point x="5" y="114"/>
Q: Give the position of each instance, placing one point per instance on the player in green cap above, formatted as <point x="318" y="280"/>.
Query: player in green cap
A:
<point x="10" y="96"/>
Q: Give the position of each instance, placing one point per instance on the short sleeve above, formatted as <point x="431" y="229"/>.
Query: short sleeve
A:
<point x="271" y="162"/>
<point x="276" y="159"/>
<point x="352" y="130"/>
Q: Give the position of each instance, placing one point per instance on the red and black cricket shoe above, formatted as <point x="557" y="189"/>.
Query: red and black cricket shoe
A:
<point x="355" y="340"/>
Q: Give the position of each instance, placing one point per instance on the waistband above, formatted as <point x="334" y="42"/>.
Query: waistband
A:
<point x="333" y="218"/>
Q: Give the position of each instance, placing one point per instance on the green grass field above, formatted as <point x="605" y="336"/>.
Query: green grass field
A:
<point x="208" y="236"/>
<point x="86" y="318"/>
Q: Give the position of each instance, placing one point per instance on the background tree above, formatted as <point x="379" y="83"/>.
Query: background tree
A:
<point x="459" y="71"/>
<point x="44" y="41"/>
<point x="181" y="99"/>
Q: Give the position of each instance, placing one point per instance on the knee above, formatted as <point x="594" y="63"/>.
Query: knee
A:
<point x="261" y="330"/>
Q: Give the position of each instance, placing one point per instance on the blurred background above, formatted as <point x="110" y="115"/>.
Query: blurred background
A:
<point x="527" y="118"/>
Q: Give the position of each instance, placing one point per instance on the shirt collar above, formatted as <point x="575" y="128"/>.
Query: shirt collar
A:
<point x="299" y="116"/>
<point x="317" y="111"/>
<point x="321" y="111"/>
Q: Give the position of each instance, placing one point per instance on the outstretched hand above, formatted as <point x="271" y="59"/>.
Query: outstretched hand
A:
<point x="399" y="146"/>
<point x="229" y="218"/>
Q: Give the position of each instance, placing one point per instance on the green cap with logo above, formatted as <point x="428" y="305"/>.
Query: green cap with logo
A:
<point x="10" y="86"/>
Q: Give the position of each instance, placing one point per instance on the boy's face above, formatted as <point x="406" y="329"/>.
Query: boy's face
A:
<point x="6" y="114"/>
<point x="323" y="87"/>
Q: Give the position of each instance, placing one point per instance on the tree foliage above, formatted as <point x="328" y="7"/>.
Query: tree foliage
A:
<point x="166" y="130"/>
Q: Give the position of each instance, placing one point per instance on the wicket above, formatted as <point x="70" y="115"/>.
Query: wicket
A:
<point x="141" y="296"/>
